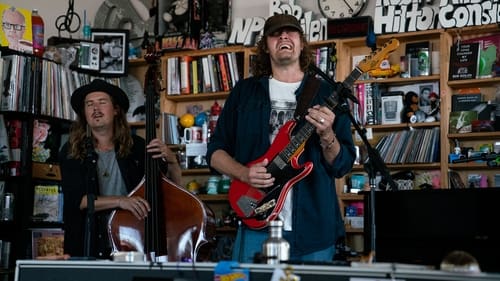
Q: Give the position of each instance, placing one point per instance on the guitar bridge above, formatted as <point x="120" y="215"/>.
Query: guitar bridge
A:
<point x="265" y="207"/>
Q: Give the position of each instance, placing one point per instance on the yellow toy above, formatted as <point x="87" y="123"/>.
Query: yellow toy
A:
<point x="385" y="70"/>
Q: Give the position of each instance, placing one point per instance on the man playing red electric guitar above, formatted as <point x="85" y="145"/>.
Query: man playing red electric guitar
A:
<point x="247" y="145"/>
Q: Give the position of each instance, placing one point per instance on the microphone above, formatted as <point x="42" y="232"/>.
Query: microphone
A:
<point x="342" y="91"/>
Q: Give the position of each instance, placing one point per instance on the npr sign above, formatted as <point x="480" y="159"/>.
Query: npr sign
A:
<point x="392" y="16"/>
<point x="246" y="30"/>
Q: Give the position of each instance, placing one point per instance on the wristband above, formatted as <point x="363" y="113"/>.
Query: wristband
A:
<point x="329" y="145"/>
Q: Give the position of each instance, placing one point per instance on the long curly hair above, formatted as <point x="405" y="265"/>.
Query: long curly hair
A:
<point x="121" y="135"/>
<point x="261" y="64"/>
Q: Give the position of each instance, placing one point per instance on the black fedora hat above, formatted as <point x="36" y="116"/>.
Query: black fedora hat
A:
<point x="99" y="85"/>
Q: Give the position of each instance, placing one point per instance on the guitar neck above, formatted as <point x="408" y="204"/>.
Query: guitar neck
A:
<point x="299" y="139"/>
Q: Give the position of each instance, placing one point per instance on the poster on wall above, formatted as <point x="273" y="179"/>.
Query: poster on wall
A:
<point x="16" y="28"/>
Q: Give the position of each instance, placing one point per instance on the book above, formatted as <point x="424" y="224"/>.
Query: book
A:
<point x="46" y="242"/>
<point x="173" y="79"/>
<point x="464" y="61"/>
<point x="207" y="80"/>
<point x="14" y="132"/>
<point x="185" y="66"/>
<point x="370" y="111"/>
<point x="48" y="203"/>
<point x="472" y="102"/>
<point x="392" y="104"/>
<point x="195" y="82"/>
<point x="461" y="121"/>
<point x="474" y="180"/>
<point x="235" y="71"/>
<point x="377" y="90"/>
<point x="488" y="55"/>
<point x="5" y="155"/>
<point x="224" y="74"/>
<point x="455" y="180"/>
<point x="361" y="105"/>
<point x="463" y="102"/>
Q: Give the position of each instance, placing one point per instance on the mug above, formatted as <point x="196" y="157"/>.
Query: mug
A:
<point x="193" y="134"/>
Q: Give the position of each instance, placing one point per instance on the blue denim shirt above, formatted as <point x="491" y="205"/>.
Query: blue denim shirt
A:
<point x="243" y="132"/>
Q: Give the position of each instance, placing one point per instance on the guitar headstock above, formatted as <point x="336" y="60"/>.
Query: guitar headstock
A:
<point x="373" y="60"/>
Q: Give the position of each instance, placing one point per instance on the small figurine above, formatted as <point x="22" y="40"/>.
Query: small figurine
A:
<point x="411" y="112"/>
<point x="433" y="115"/>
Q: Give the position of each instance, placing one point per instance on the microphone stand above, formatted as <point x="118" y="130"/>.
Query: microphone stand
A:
<point x="91" y="183"/>
<point x="374" y="163"/>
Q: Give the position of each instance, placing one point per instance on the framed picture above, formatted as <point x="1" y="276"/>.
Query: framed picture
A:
<point x="424" y="93"/>
<point x="114" y="51"/>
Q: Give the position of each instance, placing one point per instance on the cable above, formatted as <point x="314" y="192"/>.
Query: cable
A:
<point x="64" y="22"/>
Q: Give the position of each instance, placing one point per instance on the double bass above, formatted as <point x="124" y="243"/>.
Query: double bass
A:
<point x="179" y="226"/>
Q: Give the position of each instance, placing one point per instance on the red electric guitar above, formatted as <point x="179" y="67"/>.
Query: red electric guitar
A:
<point x="255" y="206"/>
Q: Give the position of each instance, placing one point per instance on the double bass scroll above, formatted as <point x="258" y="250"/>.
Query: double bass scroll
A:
<point x="179" y="225"/>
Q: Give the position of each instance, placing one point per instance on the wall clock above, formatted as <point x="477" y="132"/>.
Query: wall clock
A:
<point x="335" y="9"/>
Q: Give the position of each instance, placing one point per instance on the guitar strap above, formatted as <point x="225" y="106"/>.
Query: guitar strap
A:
<point x="310" y="89"/>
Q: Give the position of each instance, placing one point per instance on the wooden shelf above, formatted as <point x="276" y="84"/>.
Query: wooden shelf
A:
<point x="467" y="83"/>
<point x="354" y="230"/>
<point x="200" y="171"/>
<point x="471" y="166"/>
<point x="197" y="97"/>
<point x="399" y="80"/>
<point x="475" y="136"/>
<point x="351" y="197"/>
<point x="392" y="127"/>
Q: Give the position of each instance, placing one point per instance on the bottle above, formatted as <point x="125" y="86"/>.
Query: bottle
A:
<point x="38" y="33"/>
<point x="87" y="32"/>
<point x="275" y="249"/>
<point x="214" y="116"/>
<point x="204" y="132"/>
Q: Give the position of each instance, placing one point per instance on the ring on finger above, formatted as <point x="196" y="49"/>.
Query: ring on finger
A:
<point x="322" y="120"/>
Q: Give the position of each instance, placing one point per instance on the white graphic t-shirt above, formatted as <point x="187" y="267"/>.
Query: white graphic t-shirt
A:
<point x="283" y="105"/>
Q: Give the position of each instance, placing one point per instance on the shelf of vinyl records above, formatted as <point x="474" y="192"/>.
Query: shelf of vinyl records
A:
<point x="410" y="166"/>
<point x="39" y="86"/>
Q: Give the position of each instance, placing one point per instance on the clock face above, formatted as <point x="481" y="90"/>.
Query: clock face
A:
<point x="335" y="9"/>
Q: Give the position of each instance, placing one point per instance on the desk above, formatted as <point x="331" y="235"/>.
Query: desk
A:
<point x="32" y="270"/>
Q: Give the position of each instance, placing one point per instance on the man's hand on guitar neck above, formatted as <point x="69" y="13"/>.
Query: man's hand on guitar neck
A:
<point x="322" y="118"/>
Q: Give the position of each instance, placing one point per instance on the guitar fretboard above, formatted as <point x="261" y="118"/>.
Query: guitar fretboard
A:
<point x="299" y="139"/>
